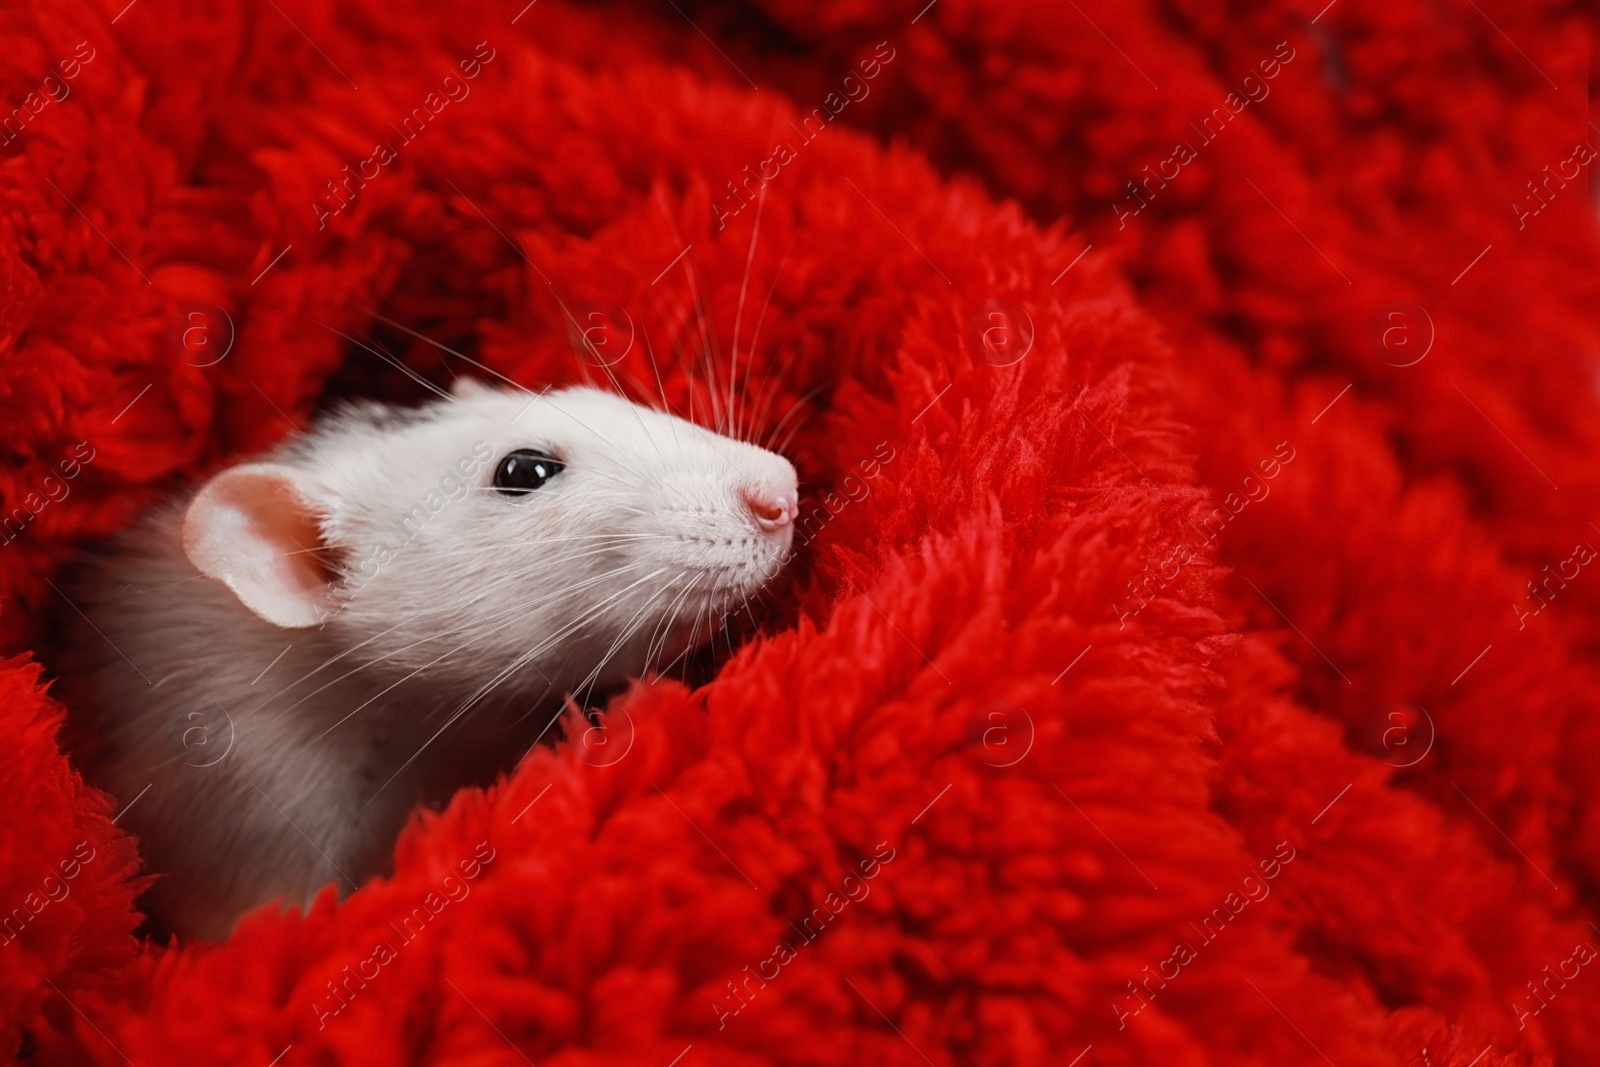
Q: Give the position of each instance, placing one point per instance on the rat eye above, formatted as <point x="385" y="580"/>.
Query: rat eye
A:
<point x="521" y="472"/>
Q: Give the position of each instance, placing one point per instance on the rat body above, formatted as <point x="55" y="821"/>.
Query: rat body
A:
<point x="271" y="673"/>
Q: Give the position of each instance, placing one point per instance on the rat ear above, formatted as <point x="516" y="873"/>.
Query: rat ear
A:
<point x="465" y="387"/>
<point x="255" y="529"/>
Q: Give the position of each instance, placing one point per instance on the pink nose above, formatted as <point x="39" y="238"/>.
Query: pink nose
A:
<point x="771" y="509"/>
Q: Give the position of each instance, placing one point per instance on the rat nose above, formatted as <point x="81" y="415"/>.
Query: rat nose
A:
<point x="771" y="508"/>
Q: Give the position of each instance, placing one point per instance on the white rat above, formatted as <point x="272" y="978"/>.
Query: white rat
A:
<point x="273" y="671"/>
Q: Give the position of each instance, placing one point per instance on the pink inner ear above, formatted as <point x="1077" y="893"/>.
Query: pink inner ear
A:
<point x="254" y="528"/>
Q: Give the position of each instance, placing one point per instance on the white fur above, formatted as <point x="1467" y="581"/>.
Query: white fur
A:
<point x="428" y="667"/>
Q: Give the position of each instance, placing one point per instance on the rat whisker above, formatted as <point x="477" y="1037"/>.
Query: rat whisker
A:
<point x="625" y="466"/>
<point x="776" y="379"/>
<point x="788" y="438"/>
<point x="407" y="371"/>
<point x="434" y="610"/>
<point x="658" y="637"/>
<point x="485" y="689"/>
<point x="760" y="381"/>
<point x="775" y="385"/>
<point x="359" y="645"/>
<point x="346" y="652"/>
<point x="446" y="348"/>
<point x="541" y="395"/>
<point x="588" y="553"/>
<point x="594" y="674"/>
<point x="582" y="538"/>
<point x="313" y="551"/>
<point x="634" y="625"/>
<point x="169" y="585"/>
<point x="361" y="666"/>
<point x="738" y="315"/>
<point x="795" y="407"/>
<point x="395" y="684"/>
<point x="516" y="609"/>
<point x="573" y="324"/>
<point x="666" y="405"/>
<point x="694" y="631"/>
<point x="424" y="612"/>
<point x="453" y="631"/>
<point x="629" y="628"/>
<point x="706" y="340"/>
<point x="667" y="619"/>
<point x="567" y="590"/>
<point x="679" y="352"/>
<point x="560" y="635"/>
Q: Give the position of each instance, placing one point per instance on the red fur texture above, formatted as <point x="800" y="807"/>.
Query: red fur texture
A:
<point x="1160" y="679"/>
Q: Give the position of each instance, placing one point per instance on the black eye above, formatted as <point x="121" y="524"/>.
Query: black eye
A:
<point x="521" y="472"/>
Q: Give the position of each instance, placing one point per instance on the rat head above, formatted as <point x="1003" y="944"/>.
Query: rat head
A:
<point x="532" y="541"/>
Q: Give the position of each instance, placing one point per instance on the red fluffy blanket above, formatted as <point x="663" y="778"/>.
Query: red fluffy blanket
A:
<point x="1188" y="659"/>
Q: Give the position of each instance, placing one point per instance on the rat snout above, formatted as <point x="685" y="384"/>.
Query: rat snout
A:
<point x="771" y="506"/>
